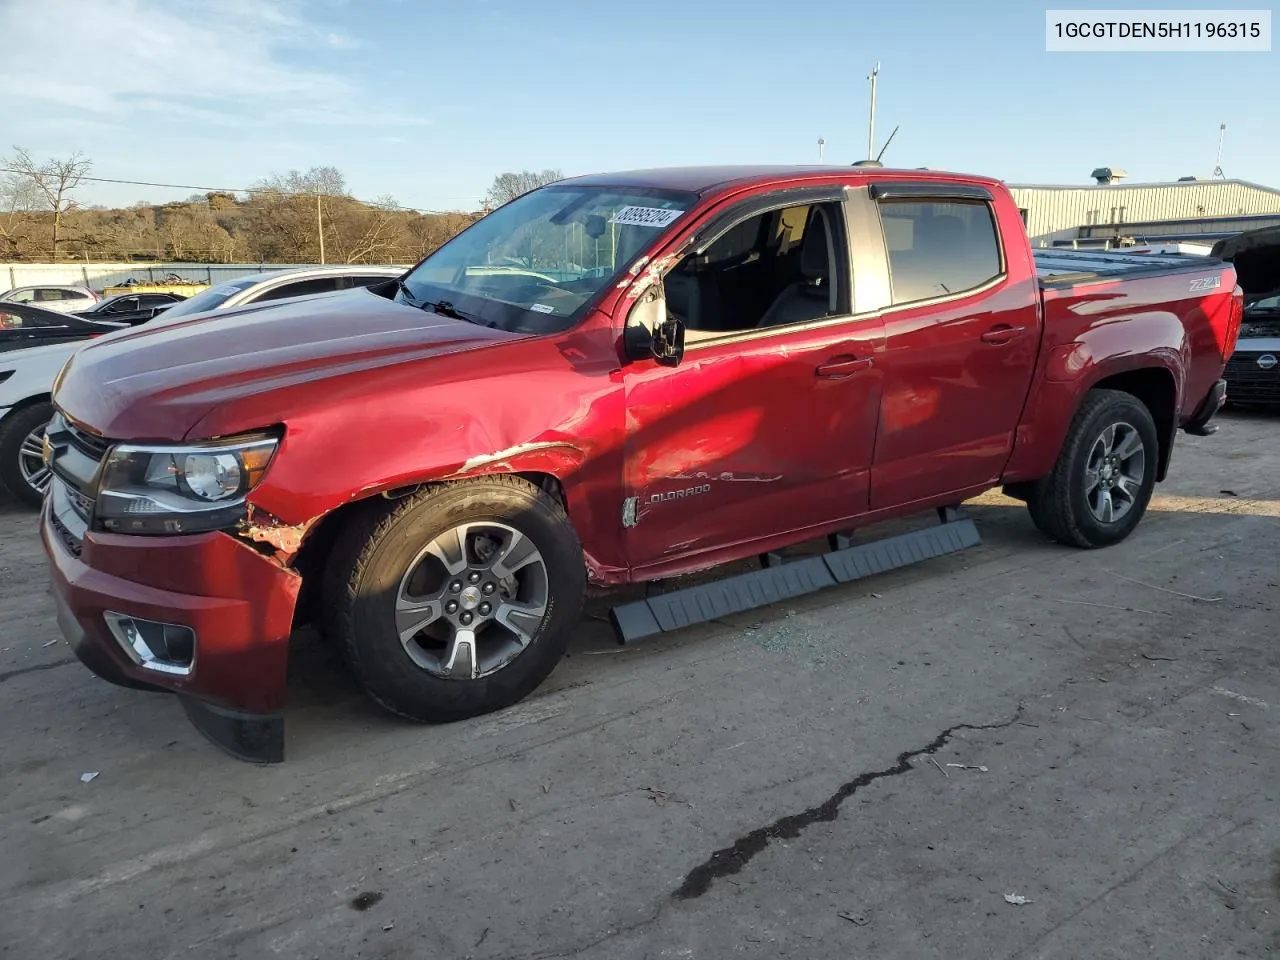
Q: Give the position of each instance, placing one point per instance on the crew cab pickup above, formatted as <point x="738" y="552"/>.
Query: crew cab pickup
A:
<point x="609" y="380"/>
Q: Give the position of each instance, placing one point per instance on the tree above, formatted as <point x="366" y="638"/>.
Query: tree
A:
<point x="53" y="180"/>
<point x="508" y="186"/>
<point x="19" y="199"/>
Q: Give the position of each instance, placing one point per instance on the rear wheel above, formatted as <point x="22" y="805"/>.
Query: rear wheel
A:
<point x="1104" y="476"/>
<point x="22" y="469"/>
<point x="457" y="601"/>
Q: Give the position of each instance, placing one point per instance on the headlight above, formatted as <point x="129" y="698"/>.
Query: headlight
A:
<point x="181" y="489"/>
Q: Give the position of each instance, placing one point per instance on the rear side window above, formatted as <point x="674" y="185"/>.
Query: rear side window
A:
<point x="19" y="318"/>
<point x="301" y="288"/>
<point x="938" y="248"/>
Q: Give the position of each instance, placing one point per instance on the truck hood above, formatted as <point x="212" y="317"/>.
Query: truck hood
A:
<point x="1256" y="256"/>
<point x="155" y="383"/>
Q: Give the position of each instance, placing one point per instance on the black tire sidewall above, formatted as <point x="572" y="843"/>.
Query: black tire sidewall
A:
<point x="388" y="672"/>
<point x="13" y="431"/>
<point x="1120" y="409"/>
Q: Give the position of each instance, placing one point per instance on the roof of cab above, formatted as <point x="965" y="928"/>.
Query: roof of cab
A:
<point x="710" y="179"/>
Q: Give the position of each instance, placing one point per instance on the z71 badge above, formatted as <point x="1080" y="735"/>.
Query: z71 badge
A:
<point x="1205" y="283"/>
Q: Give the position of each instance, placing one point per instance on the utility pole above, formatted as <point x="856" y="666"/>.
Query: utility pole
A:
<point x="871" y="124"/>
<point x="320" y="226"/>
<point x="822" y="142"/>
<point x="1222" y="135"/>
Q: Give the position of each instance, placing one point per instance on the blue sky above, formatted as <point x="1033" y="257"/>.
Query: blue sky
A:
<point x="426" y="100"/>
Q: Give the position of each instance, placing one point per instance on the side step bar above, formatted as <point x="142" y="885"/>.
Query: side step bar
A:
<point x="779" y="581"/>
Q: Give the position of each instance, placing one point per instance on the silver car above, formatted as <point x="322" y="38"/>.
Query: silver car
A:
<point x="59" y="299"/>
<point x="261" y="287"/>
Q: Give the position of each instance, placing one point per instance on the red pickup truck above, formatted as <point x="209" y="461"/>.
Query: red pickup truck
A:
<point x="609" y="380"/>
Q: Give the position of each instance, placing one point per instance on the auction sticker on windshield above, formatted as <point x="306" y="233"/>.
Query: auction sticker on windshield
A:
<point x="645" y="216"/>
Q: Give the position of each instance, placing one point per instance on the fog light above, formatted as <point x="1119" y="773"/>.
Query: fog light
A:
<point x="153" y="645"/>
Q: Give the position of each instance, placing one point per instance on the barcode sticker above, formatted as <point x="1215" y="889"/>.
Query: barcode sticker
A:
<point x="645" y="216"/>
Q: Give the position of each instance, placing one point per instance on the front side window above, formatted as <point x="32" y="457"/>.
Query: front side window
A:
<point x="534" y="264"/>
<point x="938" y="248"/>
<point x="777" y="268"/>
<point x="123" y="305"/>
<point x="21" y="296"/>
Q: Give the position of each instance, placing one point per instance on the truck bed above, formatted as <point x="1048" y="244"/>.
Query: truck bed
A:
<point x="1066" y="267"/>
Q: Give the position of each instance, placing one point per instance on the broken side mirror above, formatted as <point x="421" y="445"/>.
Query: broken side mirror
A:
<point x="652" y="334"/>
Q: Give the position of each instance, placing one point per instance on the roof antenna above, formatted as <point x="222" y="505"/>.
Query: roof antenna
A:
<point x="886" y="144"/>
<point x="1222" y="135"/>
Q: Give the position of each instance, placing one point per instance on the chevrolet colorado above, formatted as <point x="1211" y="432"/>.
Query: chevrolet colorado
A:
<point x="609" y="380"/>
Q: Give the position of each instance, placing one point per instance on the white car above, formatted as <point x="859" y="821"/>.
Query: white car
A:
<point x="27" y="375"/>
<point x="53" y="297"/>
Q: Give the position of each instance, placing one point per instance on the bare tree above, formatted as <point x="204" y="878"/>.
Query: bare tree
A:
<point x="322" y="181"/>
<point x="508" y="186"/>
<point x="53" y="180"/>
<point x="19" y="200"/>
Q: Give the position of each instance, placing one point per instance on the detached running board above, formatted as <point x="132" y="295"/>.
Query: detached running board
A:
<point x="783" y="581"/>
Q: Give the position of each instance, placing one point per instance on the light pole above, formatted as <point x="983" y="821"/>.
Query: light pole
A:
<point x="320" y="227"/>
<point x="1222" y="136"/>
<point x="822" y="142"/>
<point x="871" y="123"/>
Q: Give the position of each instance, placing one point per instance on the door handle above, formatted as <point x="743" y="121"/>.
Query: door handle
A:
<point x="839" y="367"/>
<point x="1002" y="334"/>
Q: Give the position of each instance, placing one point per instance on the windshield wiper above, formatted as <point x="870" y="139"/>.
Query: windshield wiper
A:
<point x="446" y="309"/>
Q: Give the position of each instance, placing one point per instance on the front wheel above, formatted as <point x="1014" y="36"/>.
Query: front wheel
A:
<point x="1104" y="476"/>
<point x="22" y="468"/>
<point x="457" y="601"/>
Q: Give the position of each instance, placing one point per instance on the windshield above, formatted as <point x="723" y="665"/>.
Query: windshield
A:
<point x="534" y="264"/>
<point x="209" y="299"/>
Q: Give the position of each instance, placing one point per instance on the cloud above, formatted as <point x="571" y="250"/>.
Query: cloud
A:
<point x="241" y="62"/>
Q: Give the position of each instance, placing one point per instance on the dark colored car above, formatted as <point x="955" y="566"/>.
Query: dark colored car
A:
<point x="22" y="326"/>
<point x="1253" y="373"/>
<point x="131" y="308"/>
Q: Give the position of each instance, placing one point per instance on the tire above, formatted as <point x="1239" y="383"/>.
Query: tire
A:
<point x="1066" y="507"/>
<point x="389" y="569"/>
<point x="17" y="474"/>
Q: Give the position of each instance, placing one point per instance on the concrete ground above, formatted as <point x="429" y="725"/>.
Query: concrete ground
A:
<point x="870" y="772"/>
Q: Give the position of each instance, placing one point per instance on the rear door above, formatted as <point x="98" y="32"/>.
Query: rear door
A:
<point x="961" y="335"/>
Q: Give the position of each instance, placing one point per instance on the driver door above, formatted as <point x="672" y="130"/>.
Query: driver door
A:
<point x="766" y="428"/>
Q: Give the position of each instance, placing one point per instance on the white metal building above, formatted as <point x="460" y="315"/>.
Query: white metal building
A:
<point x="1184" y="210"/>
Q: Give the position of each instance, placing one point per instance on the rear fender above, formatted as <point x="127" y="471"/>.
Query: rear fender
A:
<point x="1152" y="341"/>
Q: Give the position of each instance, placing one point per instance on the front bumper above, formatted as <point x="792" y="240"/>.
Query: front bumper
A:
<point x="238" y="602"/>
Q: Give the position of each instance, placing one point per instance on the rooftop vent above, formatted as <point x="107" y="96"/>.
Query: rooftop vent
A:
<point x="1185" y="179"/>
<point x="1108" y="174"/>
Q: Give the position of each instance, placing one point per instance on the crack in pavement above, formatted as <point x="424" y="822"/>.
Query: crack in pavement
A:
<point x="732" y="859"/>
<point x="9" y="675"/>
